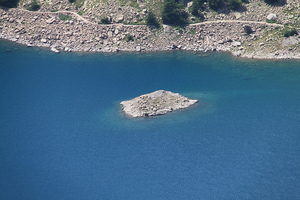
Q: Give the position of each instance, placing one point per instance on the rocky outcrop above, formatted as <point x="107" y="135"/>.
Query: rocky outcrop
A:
<point x="156" y="103"/>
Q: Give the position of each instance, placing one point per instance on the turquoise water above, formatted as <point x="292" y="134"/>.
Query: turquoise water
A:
<point x="63" y="135"/>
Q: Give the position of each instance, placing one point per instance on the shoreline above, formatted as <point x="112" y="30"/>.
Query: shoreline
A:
<point x="46" y="29"/>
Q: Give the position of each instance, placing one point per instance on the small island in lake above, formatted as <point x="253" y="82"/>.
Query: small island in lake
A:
<point x="156" y="103"/>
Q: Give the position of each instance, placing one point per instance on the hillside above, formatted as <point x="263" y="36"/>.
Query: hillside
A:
<point x="244" y="30"/>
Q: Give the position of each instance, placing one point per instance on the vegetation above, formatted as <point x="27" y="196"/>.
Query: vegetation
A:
<point x="214" y="4"/>
<point x="234" y="4"/>
<point x="64" y="17"/>
<point x="129" y="38"/>
<point x="105" y="20"/>
<point x="151" y="20"/>
<point x="34" y="6"/>
<point x="287" y="32"/>
<point x="248" y="29"/>
<point x="271" y="21"/>
<point x="9" y="3"/>
<point x="77" y="3"/>
<point x="173" y="13"/>
<point x="271" y="1"/>
<point x="196" y="6"/>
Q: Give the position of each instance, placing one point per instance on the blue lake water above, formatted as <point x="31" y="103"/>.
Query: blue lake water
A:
<point x="64" y="136"/>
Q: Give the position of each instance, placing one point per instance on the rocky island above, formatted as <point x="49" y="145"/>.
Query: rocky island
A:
<point x="156" y="103"/>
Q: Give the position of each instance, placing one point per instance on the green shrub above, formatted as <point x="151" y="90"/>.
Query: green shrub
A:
<point x="234" y="4"/>
<point x="151" y="20"/>
<point x="271" y="21"/>
<point x="196" y="6"/>
<point x="248" y="29"/>
<point x="34" y="6"/>
<point x="214" y="4"/>
<point x="105" y="20"/>
<point x="77" y="3"/>
<point x="289" y="32"/>
<point x="173" y="13"/>
<point x="64" y="17"/>
<point x="9" y="3"/>
<point x="271" y="1"/>
<point x="129" y="38"/>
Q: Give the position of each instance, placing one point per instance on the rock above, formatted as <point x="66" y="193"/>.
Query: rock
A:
<point x="50" y="21"/>
<point x="43" y="40"/>
<point x="271" y="17"/>
<point x="289" y="41"/>
<point x="119" y="18"/>
<point x="54" y="50"/>
<point x="138" y="49"/>
<point x="156" y="103"/>
<point x="109" y="34"/>
<point x="236" y="44"/>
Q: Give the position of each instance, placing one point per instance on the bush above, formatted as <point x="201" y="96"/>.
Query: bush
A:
<point x="289" y="32"/>
<point x="129" y="38"/>
<point x="271" y="1"/>
<point x="173" y="13"/>
<point x="151" y="20"/>
<point x="214" y="4"/>
<point x="64" y="17"/>
<point x="194" y="9"/>
<point x="248" y="29"/>
<point x="34" y="6"/>
<point x="105" y="20"/>
<point x="78" y="3"/>
<point x="234" y="4"/>
<point x="271" y="21"/>
<point x="9" y="3"/>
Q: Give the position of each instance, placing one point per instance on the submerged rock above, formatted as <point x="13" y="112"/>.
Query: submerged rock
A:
<point x="156" y="103"/>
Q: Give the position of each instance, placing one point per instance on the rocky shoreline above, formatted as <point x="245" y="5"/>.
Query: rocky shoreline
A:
<point x="47" y="29"/>
<point x="156" y="103"/>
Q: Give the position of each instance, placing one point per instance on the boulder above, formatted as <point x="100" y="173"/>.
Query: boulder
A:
<point x="271" y="17"/>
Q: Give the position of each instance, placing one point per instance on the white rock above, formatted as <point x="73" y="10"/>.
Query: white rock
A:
<point x="236" y="44"/>
<point x="272" y="16"/>
<point x="43" y="40"/>
<point x="54" y="50"/>
<point x="51" y="20"/>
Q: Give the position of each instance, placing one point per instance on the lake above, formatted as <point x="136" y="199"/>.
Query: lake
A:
<point x="63" y="134"/>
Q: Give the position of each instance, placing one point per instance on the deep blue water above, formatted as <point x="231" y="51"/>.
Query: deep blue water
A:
<point x="63" y="135"/>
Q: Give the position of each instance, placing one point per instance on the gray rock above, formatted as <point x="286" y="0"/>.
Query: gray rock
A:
<point x="236" y="44"/>
<point x="271" y="17"/>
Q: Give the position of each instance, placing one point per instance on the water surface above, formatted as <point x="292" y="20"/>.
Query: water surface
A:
<point x="63" y="135"/>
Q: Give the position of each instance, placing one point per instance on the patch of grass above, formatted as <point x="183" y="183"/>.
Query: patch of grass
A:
<point x="129" y="38"/>
<point x="287" y="32"/>
<point x="271" y="21"/>
<point x="192" y="31"/>
<point x="54" y="10"/>
<point x="64" y="17"/>
<point x="81" y="12"/>
<point x="104" y="20"/>
<point x="77" y="3"/>
<point x="34" y="6"/>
